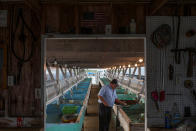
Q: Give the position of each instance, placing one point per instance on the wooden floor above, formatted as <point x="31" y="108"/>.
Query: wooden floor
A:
<point x="91" y="120"/>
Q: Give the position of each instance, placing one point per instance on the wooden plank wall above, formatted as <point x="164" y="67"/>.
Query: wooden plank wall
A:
<point x="4" y="39"/>
<point x="31" y="71"/>
<point x="20" y="98"/>
<point x="58" y="18"/>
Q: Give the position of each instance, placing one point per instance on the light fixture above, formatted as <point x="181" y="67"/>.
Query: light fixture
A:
<point x="120" y="67"/>
<point x="135" y="65"/>
<point x="141" y="60"/>
<point x="65" y="65"/>
<point x="124" y="66"/>
<point x="129" y="65"/>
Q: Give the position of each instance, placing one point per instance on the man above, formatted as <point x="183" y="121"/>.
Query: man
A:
<point x="107" y="97"/>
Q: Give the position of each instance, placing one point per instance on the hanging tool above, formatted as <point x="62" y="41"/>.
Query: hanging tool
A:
<point x="22" y="38"/>
<point x="162" y="92"/>
<point x="190" y="62"/>
<point x="177" y="54"/>
<point x="154" y="97"/>
<point x="161" y="37"/>
<point x="193" y="93"/>
<point x="190" y="51"/>
<point x="189" y="85"/>
<point x="162" y="96"/>
<point x="190" y="33"/>
<point x="171" y="72"/>
<point x="187" y="111"/>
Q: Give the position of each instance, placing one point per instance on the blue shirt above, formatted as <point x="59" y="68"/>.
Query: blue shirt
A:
<point x="108" y="94"/>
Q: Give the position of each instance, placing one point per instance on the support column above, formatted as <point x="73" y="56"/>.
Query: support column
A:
<point x="124" y="73"/>
<point x="49" y="71"/>
<point x="65" y="71"/>
<point x="57" y="73"/>
<point x="129" y="72"/>
<point x="57" y="80"/>
<point x="139" y="72"/>
<point x="129" y="77"/>
<point x="70" y="72"/>
<point x="134" y="72"/>
<point x="61" y="68"/>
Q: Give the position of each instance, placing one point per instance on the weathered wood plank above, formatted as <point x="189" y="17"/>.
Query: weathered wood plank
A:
<point x="157" y="4"/>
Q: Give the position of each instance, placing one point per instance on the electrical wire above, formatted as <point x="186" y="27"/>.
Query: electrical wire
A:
<point x="22" y="38"/>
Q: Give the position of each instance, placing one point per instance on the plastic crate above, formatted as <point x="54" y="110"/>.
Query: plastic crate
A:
<point x="69" y="109"/>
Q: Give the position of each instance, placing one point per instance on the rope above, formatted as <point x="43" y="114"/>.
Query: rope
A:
<point x="161" y="36"/>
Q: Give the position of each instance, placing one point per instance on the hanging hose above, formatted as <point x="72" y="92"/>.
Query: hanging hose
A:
<point x="161" y="36"/>
<point x="22" y="38"/>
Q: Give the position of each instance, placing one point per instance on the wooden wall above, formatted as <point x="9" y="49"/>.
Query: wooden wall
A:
<point x="59" y="18"/>
<point x="20" y="98"/>
<point x="66" y="18"/>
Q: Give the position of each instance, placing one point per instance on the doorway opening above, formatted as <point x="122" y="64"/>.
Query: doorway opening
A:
<point x="71" y="63"/>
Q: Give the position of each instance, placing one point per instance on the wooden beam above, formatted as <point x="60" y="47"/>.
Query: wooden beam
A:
<point x="157" y="4"/>
<point x="77" y="19"/>
<point x="34" y="5"/>
<point x="96" y="45"/>
<point x="71" y="54"/>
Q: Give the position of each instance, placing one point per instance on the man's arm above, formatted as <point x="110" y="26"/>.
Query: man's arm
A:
<point x="120" y="102"/>
<point x="103" y="101"/>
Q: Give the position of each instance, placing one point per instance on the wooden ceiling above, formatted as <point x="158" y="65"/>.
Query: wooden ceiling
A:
<point x="95" y="53"/>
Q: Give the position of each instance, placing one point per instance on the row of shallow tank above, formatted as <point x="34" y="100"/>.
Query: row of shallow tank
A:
<point x="67" y="113"/>
<point x="135" y="108"/>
